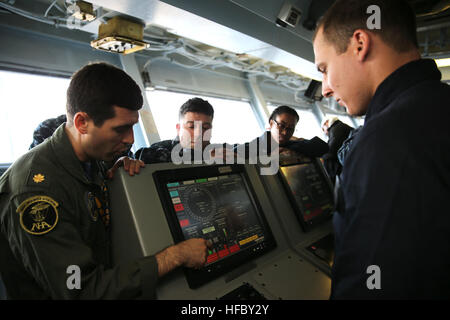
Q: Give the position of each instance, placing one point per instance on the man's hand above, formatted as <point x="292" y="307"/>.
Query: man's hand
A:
<point x="195" y="252"/>
<point x="286" y="151"/>
<point x="191" y="253"/>
<point x="326" y="126"/>
<point x="132" y="166"/>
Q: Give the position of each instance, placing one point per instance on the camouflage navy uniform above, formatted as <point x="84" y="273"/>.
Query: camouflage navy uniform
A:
<point x="54" y="215"/>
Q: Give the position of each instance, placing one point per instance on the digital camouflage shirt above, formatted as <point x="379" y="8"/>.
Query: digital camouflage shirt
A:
<point x="53" y="217"/>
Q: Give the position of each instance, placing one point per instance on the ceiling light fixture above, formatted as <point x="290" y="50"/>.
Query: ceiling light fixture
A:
<point x="121" y="36"/>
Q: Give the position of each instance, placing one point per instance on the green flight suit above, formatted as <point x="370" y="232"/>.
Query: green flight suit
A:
<point x="50" y="220"/>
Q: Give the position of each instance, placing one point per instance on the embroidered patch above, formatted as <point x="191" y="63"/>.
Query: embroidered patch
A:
<point x="38" y="214"/>
<point x="91" y="204"/>
<point x="38" y="178"/>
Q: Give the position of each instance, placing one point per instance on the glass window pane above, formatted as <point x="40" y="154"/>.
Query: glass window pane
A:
<point x="26" y="100"/>
<point x="308" y="127"/>
<point x="234" y="121"/>
<point x="346" y="120"/>
<point x="359" y="120"/>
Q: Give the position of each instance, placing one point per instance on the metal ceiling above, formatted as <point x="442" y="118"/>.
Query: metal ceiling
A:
<point x="245" y="27"/>
<point x="248" y="26"/>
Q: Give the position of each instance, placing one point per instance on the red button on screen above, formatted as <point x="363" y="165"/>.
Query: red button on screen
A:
<point x="179" y="207"/>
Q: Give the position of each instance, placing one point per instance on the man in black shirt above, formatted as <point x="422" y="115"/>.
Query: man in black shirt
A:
<point x="283" y="121"/>
<point x="337" y="133"/>
<point x="193" y="129"/>
<point x="393" y="230"/>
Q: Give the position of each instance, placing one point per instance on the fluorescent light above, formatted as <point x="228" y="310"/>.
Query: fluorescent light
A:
<point x="443" y="62"/>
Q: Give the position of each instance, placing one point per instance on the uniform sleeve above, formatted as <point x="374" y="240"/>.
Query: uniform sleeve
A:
<point x="315" y="147"/>
<point x="346" y="145"/>
<point x="338" y="133"/>
<point x="154" y="154"/>
<point x="54" y="253"/>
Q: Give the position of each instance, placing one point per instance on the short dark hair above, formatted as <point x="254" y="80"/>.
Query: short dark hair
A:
<point x="97" y="87"/>
<point x="284" y="109"/>
<point x="197" y="105"/>
<point x="398" y="23"/>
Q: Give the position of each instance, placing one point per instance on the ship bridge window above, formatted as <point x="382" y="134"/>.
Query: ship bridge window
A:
<point x="351" y="121"/>
<point x="359" y="120"/>
<point x="25" y="101"/>
<point x="346" y="120"/>
<point x="234" y="120"/>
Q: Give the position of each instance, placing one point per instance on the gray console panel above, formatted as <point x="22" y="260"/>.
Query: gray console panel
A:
<point x="139" y="228"/>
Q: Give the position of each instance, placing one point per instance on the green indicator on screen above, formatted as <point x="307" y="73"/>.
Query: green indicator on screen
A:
<point x="208" y="230"/>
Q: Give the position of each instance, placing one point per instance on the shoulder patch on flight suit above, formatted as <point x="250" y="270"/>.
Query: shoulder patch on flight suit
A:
<point x="91" y="205"/>
<point x="38" y="214"/>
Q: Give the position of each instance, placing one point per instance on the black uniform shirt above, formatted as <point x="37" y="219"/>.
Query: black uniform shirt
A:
<point x="158" y="152"/>
<point x="396" y="190"/>
<point x="315" y="147"/>
<point x="162" y="152"/>
<point x="52" y="218"/>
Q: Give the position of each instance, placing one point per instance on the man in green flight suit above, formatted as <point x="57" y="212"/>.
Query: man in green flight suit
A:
<point x="54" y="208"/>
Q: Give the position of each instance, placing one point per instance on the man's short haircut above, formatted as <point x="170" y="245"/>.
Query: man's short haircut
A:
<point x="344" y="17"/>
<point x="284" y="109"/>
<point x="97" y="87"/>
<point x="197" y="105"/>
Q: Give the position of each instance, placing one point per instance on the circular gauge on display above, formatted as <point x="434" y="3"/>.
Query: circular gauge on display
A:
<point x="200" y="205"/>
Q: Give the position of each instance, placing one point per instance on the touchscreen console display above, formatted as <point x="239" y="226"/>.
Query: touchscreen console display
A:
<point x="309" y="190"/>
<point x="216" y="203"/>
